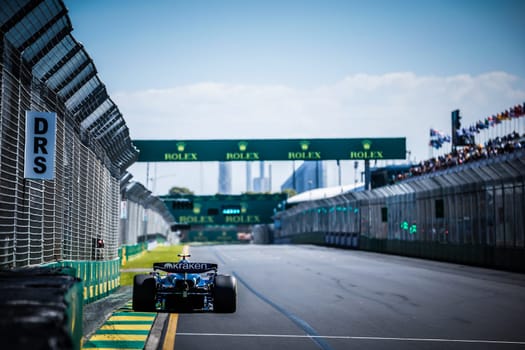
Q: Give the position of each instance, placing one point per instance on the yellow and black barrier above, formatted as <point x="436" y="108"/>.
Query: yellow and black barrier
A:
<point x="128" y="252"/>
<point x="100" y="278"/>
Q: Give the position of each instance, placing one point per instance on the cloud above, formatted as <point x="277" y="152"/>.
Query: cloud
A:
<point x="399" y="104"/>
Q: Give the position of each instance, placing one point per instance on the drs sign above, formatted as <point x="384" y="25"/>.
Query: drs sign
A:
<point x="40" y="145"/>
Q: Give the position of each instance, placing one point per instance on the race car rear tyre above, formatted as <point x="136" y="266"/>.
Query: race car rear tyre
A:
<point x="143" y="293"/>
<point x="225" y="294"/>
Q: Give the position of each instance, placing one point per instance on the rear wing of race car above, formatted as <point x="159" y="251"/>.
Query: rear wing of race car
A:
<point x="184" y="267"/>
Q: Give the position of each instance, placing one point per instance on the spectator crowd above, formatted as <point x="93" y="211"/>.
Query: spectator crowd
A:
<point x="493" y="148"/>
<point x="438" y="138"/>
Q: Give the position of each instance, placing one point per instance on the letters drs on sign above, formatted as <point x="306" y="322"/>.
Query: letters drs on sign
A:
<point x="40" y="145"/>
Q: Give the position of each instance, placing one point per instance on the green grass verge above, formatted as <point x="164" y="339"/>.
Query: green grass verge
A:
<point x="162" y="253"/>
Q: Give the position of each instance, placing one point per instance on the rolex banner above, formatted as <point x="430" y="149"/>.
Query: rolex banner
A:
<point x="270" y="149"/>
<point x="40" y="145"/>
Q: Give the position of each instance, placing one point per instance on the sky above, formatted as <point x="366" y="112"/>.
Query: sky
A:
<point x="228" y="69"/>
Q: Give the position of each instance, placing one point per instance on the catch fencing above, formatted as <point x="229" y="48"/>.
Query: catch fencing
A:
<point x="470" y="214"/>
<point x="76" y="216"/>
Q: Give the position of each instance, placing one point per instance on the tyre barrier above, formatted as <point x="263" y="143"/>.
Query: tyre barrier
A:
<point x="41" y="308"/>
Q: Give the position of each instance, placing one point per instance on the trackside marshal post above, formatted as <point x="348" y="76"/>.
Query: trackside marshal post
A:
<point x="40" y="145"/>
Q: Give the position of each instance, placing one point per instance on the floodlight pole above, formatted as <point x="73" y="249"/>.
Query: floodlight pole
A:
<point x="339" y="171"/>
<point x="147" y="175"/>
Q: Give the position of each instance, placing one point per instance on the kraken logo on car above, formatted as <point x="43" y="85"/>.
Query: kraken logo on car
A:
<point x="187" y="286"/>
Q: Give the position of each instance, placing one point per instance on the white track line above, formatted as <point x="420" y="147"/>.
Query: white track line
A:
<point x="344" y="337"/>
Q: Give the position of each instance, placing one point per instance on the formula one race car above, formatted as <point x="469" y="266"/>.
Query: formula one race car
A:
<point x="185" y="286"/>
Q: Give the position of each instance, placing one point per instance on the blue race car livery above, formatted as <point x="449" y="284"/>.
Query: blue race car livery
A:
<point x="185" y="286"/>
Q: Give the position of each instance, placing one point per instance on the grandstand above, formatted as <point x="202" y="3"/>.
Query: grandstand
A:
<point x="465" y="207"/>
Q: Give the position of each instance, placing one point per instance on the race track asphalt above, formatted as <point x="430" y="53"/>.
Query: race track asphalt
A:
<point x="308" y="297"/>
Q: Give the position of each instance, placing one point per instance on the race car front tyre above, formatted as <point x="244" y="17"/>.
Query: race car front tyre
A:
<point x="143" y="293"/>
<point x="225" y="294"/>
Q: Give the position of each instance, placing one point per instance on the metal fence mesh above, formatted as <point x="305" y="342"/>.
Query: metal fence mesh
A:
<point x="43" y="68"/>
<point x="43" y="221"/>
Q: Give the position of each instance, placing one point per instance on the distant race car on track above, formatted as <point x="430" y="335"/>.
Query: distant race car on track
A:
<point x="185" y="286"/>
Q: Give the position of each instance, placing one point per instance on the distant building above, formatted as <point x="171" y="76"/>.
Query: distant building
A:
<point x="310" y="175"/>
<point x="249" y="177"/>
<point x="225" y="177"/>
<point x="262" y="183"/>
